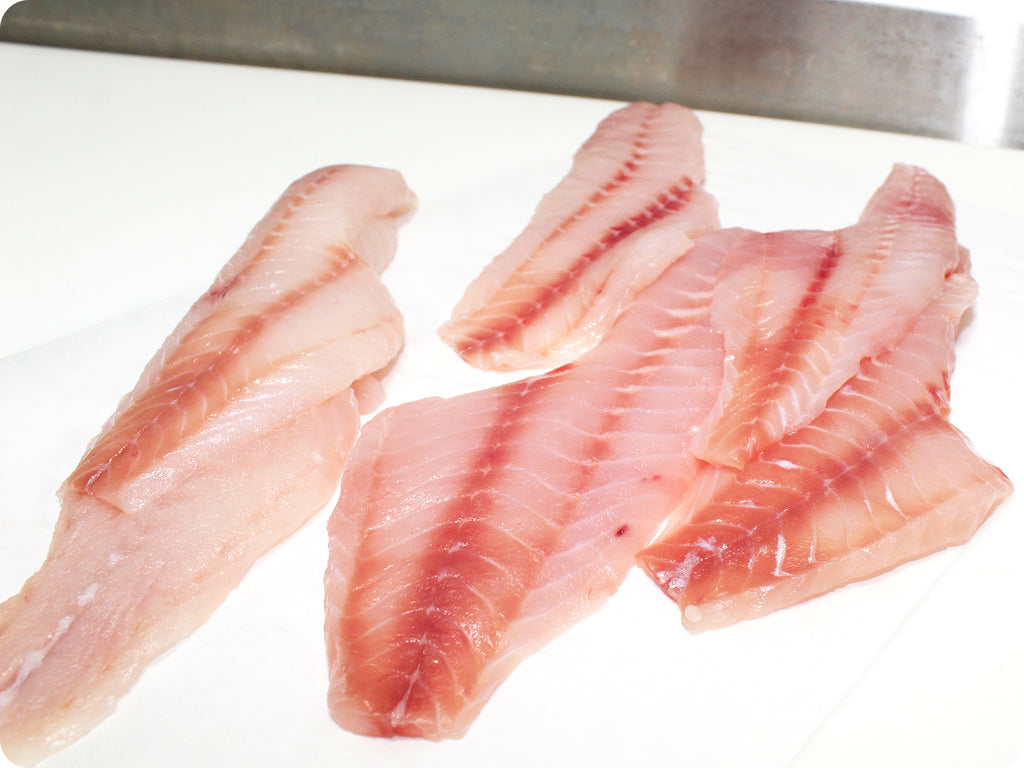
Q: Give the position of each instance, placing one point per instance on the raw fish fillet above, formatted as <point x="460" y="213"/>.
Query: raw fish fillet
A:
<point x="234" y="436"/>
<point x="880" y="477"/>
<point x="472" y="530"/>
<point x="632" y="198"/>
<point x="800" y="310"/>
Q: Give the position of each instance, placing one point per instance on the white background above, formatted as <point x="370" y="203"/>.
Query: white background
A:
<point x="128" y="181"/>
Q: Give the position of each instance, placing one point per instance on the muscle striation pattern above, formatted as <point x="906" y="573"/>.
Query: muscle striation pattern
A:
<point x="234" y="436"/>
<point x="800" y="310"/>
<point x="765" y="422"/>
<point x="633" y="197"/>
<point x="472" y="530"/>
<point x="877" y="478"/>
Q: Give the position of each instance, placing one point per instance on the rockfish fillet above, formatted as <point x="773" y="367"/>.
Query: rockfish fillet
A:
<point x="472" y="530"/>
<point x="234" y="436"/>
<point x="878" y="478"/>
<point x="800" y="310"/>
<point x="633" y="197"/>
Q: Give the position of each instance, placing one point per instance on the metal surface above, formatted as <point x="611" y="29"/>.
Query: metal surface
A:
<point x="816" y="60"/>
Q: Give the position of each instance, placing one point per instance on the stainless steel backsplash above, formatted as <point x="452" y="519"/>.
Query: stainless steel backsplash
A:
<point x="842" y="63"/>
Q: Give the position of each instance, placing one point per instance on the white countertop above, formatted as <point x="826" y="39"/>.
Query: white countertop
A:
<point x="128" y="182"/>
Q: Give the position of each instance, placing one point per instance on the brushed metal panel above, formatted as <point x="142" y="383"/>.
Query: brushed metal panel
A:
<point x="817" y="60"/>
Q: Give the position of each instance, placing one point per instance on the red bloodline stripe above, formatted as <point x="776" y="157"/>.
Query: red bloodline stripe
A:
<point x="771" y="361"/>
<point x="504" y="327"/>
<point x="501" y="440"/>
<point x="757" y="540"/>
<point x="119" y="454"/>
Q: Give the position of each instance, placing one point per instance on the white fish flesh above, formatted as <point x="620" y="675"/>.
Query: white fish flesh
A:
<point x="234" y="436"/>
<point x="632" y="200"/>
<point x="472" y="530"/>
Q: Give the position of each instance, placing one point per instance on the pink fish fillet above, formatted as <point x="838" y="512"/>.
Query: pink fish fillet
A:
<point x="234" y="436"/>
<point x="472" y="530"/>
<point x="880" y="477"/>
<point x="634" y="194"/>
<point x="800" y="310"/>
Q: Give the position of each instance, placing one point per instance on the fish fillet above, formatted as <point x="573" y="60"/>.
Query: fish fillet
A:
<point x="472" y="530"/>
<point x="880" y="477"/>
<point x="234" y="436"/>
<point x="634" y="194"/>
<point x="800" y="310"/>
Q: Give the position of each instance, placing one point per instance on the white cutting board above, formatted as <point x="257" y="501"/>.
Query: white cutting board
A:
<point x="128" y="181"/>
